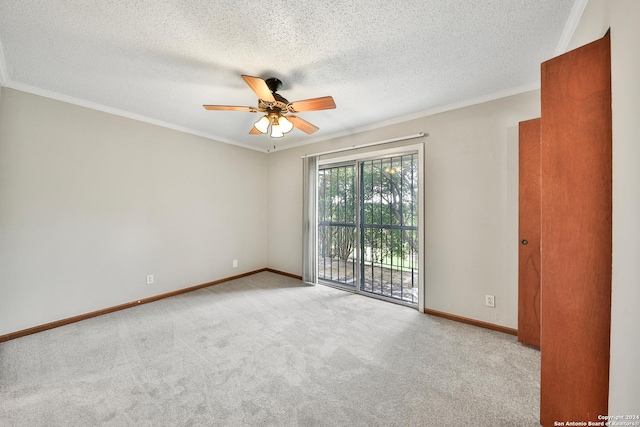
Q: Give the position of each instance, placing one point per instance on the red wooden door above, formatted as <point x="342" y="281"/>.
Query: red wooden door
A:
<point x="529" y="232"/>
<point x="576" y="234"/>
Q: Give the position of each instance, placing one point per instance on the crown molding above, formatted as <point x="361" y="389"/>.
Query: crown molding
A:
<point x="110" y="110"/>
<point x="425" y="113"/>
<point x="570" y="26"/>
<point x="430" y="112"/>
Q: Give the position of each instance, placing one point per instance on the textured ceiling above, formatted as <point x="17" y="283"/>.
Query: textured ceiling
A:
<point x="160" y="60"/>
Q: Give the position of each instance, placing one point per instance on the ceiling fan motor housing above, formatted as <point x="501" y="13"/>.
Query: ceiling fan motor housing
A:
<point x="280" y="104"/>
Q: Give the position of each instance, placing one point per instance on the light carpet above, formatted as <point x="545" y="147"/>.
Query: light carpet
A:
<point x="267" y="350"/>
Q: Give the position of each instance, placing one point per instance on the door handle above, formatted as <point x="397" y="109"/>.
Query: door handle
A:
<point x="524" y="241"/>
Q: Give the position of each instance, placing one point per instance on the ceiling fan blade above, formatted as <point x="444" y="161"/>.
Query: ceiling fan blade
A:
<point x="324" y="103"/>
<point x="255" y="131"/>
<point x="260" y="88"/>
<point x="302" y="124"/>
<point x="230" y="108"/>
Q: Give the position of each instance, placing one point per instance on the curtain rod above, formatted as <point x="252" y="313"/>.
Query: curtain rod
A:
<point x="355" y="147"/>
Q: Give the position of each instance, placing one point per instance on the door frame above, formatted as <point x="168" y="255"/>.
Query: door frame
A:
<point x="375" y="154"/>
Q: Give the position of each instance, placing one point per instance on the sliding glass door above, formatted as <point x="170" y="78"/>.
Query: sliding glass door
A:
<point x="368" y="237"/>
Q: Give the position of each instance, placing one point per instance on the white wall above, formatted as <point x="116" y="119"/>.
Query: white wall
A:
<point x="90" y="203"/>
<point x="623" y="17"/>
<point x="471" y="204"/>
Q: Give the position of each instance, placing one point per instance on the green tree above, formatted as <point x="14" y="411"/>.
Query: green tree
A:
<point x="389" y="202"/>
<point x="337" y="212"/>
<point x="390" y="197"/>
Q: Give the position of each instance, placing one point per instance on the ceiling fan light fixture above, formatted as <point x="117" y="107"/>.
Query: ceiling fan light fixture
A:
<point x="263" y="124"/>
<point x="285" y="124"/>
<point x="276" y="130"/>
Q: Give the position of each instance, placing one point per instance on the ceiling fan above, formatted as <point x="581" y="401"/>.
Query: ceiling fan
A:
<point x="277" y="109"/>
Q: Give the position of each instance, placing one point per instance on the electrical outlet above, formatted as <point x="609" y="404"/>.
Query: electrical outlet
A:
<point x="235" y="263"/>
<point x="490" y="300"/>
<point x="149" y="279"/>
